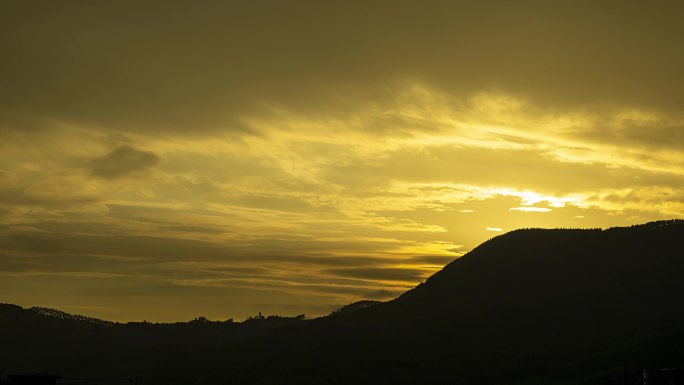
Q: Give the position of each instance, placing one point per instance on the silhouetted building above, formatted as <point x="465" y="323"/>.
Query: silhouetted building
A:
<point x="664" y="377"/>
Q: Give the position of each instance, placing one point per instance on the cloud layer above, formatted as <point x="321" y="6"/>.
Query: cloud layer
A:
<point x="165" y="160"/>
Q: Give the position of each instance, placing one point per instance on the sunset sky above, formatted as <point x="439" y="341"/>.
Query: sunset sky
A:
<point x="164" y="160"/>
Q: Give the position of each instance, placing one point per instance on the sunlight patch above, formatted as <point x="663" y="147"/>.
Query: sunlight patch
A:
<point x="531" y="209"/>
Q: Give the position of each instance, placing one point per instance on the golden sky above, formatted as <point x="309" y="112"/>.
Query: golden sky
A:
<point x="162" y="160"/>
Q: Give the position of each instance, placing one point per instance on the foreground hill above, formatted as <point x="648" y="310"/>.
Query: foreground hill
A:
<point x="527" y="307"/>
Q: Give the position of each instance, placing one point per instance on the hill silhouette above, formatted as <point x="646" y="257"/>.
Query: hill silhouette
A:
<point x="532" y="306"/>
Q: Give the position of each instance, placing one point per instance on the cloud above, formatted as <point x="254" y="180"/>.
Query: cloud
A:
<point x="531" y="209"/>
<point x="200" y="72"/>
<point x="193" y="229"/>
<point x="637" y="128"/>
<point x="148" y="251"/>
<point x="18" y="191"/>
<point x="439" y="260"/>
<point x="122" y="161"/>
<point x="381" y="273"/>
<point x="116" y="264"/>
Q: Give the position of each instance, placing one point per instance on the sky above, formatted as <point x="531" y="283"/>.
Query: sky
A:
<point x="163" y="160"/>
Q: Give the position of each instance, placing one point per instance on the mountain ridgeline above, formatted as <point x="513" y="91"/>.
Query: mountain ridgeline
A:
<point x="532" y="306"/>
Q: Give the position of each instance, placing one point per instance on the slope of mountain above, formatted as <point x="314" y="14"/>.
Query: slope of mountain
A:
<point x="356" y="306"/>
<point x="530" y="306"/>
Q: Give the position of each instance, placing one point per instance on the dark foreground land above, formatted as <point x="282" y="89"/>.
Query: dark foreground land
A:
<point x="528" y="307"/>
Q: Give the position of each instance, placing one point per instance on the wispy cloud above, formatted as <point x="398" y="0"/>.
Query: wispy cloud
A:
<point x="531" y="209"/>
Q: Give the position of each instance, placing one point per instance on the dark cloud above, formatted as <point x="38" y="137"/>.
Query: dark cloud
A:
<point x="176" y="66"/>
<point x="358" y="291"/>
<point x="122" y="161"/>
<point x="12" y="265"/>
<point x="193" y="229"/>
<point x="441" y="260"/>
<point x="646" y="134"/>
<point x="14" y="195"/>
<point x="380" y="273"/>
<point x="22" y="196"/>
<point x="161" y="249"/>
<point x="75" y="227"/>
<point x="150" y="214"/>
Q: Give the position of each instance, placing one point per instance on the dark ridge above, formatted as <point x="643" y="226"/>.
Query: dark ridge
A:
<point x="356" y="306"/>
<point x="66" y="316"/>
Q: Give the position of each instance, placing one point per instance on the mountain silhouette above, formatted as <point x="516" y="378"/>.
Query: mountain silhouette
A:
<point x="533" y="306"/>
